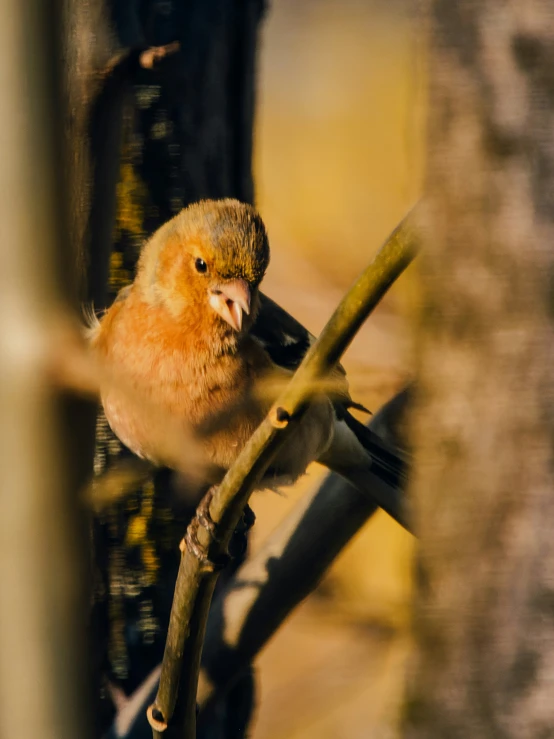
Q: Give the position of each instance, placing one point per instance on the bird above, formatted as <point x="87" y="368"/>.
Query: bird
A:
<point x="196" y="338"/>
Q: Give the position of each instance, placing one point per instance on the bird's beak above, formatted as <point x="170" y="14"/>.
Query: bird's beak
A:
<point x="230" y="299"/>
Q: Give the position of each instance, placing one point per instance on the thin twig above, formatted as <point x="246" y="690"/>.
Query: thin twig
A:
<point x="270" y="584"/>
<point x="197" y="572"/>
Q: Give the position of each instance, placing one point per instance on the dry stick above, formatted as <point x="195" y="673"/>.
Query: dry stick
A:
<point x="270" y="584"/>
<point x="210" y="531"/>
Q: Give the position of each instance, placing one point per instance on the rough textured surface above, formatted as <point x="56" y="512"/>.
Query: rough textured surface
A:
<point x="483" y="429"/>
<point x="186" y="134"/>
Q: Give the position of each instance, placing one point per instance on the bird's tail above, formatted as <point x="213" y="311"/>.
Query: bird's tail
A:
<point x="370" y="464"/>
<point x="389" y="462"/>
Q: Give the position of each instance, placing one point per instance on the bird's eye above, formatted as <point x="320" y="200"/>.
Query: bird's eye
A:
<point x="201" y="265"/>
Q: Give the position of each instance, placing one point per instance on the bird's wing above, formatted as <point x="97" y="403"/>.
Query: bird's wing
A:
<point x="286" y="341"/>
<point x="282" y="336"/>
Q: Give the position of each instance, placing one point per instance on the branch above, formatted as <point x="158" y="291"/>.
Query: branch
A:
<point x="289" y="567"/>
<point x="268" y="586"/>
<point x="210" y="531"/>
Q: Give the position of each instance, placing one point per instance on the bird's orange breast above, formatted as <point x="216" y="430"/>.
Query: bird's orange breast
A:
<point x="166" y="373"/>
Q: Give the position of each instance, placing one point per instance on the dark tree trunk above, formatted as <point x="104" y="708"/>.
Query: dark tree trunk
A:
<point x="189" y="135"/>
<point x="160" y="138"/>
<point x="484" y="424"/>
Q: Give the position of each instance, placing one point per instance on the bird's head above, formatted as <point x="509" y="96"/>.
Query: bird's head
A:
<point x="209" y="259"/>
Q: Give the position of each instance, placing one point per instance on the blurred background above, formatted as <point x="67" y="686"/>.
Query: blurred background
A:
<point x="338" y="162"/>
<point x="148" y="106"/>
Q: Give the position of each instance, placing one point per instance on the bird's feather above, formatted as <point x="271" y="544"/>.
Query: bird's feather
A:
<point x="286" y="341"/>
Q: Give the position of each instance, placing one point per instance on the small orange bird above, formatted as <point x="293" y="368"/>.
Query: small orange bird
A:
<point x="197" y="339"/>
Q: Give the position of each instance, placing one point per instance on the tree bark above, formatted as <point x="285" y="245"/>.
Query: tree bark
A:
<point x="92" y="105"/>
<point x="483" y="424"/>
<point x="187" y="134"/>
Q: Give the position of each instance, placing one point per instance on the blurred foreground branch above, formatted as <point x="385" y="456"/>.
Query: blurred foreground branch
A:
<point x="210" y="531"/>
